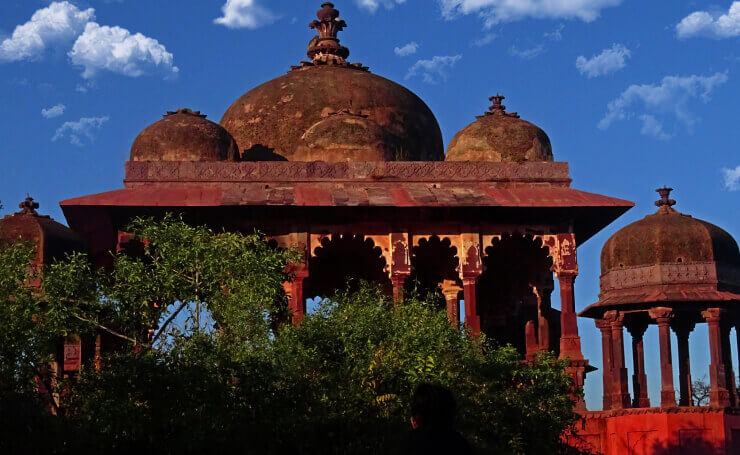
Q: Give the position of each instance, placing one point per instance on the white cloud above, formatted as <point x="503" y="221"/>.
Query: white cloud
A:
<point x="245" y="14"/>
<point x="668" y="99"/>
<point x="527" y="54"/>
<point x="651" y="126"/>
<point x="557" y="34"/>
<point x="485" y="40"/>
<point x="79" y="130"/>
<point x="701" y="23"/>
<point x="115" y="49"/>
<point x="496" y="11"/>
<point x="434" y="69"/>
<point x="732" y="178"/>
<point x="609" y="60"/>
<point x="406" y="49"/>
<point x="54" y="111"/>
<point x="56" y="24"/>
<point x="373" y="5"/>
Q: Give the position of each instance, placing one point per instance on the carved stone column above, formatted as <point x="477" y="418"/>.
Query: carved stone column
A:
<point x="451" y="291"/>
<point x="607" y="361"/>
<point x="471" y="268"/>
<point x="719" y="395"/>
<point x="621" y="397"/>
<point x="637" y="329"/>
<point x="683" y="328"/>
<point x="470" y="295"/>
<point x="725" y="328"/>
<point x="663" y="317"/>
<point x="543" y="294"/>
<point x="570" y="342"/>
<point x="400" y="263"/>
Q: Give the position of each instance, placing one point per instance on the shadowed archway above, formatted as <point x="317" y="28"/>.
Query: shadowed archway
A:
<point x="512" y="266"/>
<point x="344" y="260"/>
<point x="433" y="261"/>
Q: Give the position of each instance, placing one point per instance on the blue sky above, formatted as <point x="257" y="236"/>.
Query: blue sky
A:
<point x="633" y="94"/>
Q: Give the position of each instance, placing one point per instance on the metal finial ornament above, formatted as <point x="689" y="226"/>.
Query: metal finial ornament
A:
<point x="186" y="111"/>
<point x="28" y="206"/>
<point x="665" y="200"/>
<point x="325" y="48"/>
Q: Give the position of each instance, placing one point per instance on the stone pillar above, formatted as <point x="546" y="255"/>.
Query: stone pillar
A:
<point x="719" y="395"/>
<point x="297" y="302"/>
<point x="639" y="377"/>
<point x="451" y="291"/>
<point x="621" y="397"/>
<point x="471" y="268"/>
<point x="470" y="294"/>
<point x="683" y="328"/>
<point x="532" y="346"/>
<point x="398" y="281"/>
<point x="663" y="317"/>
<point x="570" y="342"/>
<point x="543" y="294"/>
<point x="608" y="363"/>
<point x="726" y="327"/>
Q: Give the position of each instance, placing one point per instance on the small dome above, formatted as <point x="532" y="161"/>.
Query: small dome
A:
<point x="669" y="237"/>
<point x="274" y="119"/>
<point x="346" y="136"/>
<point x="500" y="136"/>
<point x="184" y="135"/>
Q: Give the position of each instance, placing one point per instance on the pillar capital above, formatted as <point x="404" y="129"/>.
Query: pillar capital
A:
<point x="713" y="315"/>
<point x="662" y="315"/>
<point x="637" y="326"/>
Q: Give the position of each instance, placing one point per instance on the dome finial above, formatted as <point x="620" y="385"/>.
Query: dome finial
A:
<point x="186" y="111"/>
<point x="499" y="109"/>
<point x="28" y="206"/>
<point x="665" y="201"/>
<point x="325" y="48"/>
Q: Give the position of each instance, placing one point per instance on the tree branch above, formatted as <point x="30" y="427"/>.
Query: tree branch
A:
<point x="167" y="322"/>
<point x="106" y="329"/>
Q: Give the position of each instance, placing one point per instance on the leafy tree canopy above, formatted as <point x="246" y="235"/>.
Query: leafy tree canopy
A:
<point x="200" y="357"/>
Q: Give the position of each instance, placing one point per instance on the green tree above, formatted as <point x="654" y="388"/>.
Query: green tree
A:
<point x="205" y="360"/>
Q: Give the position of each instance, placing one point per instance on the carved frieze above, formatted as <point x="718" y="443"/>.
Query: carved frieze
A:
<point x="424" y="171"/>
<point x="660" y="274"/>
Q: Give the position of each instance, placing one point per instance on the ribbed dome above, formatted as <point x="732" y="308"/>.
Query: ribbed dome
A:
<point x="668" y="237"/>
<point x="500" y="136"/>
<point x="278" y="115"/>
<point x="184" y="135"/>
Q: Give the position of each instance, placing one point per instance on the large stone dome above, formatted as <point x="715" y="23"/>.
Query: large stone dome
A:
<point x="184" y="135"/>
<point x="669" y="237"/>
<point x="273" y="119"/>
<point x="500" y="136"/>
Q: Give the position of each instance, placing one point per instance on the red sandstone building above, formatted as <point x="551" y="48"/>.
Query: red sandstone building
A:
<point x="349" y="167"/>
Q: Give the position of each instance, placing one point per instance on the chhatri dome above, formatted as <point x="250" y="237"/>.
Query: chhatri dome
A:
<point x="184" y="135"/>
<point x="500" y="136"/>
<point x="332" y="110"/>
<point x="670" y="237"/>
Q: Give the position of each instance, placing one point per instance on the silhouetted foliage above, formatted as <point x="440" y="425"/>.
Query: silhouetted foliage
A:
<point x="204" y="363"/>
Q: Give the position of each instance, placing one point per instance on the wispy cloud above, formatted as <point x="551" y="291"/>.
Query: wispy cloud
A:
<point x="496" y="11"/>
<point x="245" y="14"/>
<point x="54" y="111"/>
<point x="527" y="53"/>
<point x="702" y="23"/>
<point x="487" y="39"/>
<point x="57" y="24"/>
<point x="608" y="61"/>
<point x="434" y="69"/>
<point x="373" y="5"/>
<point x="80" y="130"/>
<point x="116" y="50"/>
<point x="669" y="99"/>
<point x="406" y="49"/>
<point x="557" y="34"/>
<point x="732" y="178"/>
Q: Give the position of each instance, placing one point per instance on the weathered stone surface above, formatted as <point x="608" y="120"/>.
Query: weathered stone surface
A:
<point x="184" y="135"/>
